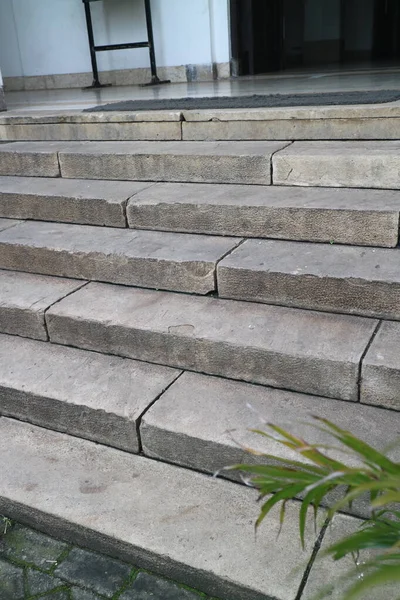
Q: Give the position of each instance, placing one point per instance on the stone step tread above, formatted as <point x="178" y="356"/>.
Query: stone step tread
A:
<point x="184" y="525"/>
<point x="332" y="278"/>
<point x="306" y="351"/>
<point x="24" y="299"/>
<point x="348" y="216"/>
<point x="162" y="260"/>
<point x="207" y="162"/>
<point x="205" y="423"/>
<point x="83" y="393"/>
<point x="67" y="200"/>
<point x="362" y="164"/>
<point x="7" y="223"/>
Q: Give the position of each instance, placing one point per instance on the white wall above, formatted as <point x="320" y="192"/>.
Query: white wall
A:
<point x="45" y="37"/>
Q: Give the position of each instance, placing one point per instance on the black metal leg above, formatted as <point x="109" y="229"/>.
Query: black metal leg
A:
<point x="153" y="65"/>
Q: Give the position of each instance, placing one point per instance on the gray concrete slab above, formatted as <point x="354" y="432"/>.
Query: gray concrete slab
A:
<point x="97" y="131"/>
<point x="205" y="423"/>
<point x="300" y="350"/>
<point x="345" y="216"/>
<point x="57" y="116"/>
<point x="67" y="200"/>
<point x="380" y="378"/>
<point x="29" y="159"/>
<point x="7" y="223"/>
<point x="25" y="298"/>
<point x="82" y="393"/>
<point x="345" y="279"/>
<point x="339" y="164"/>
<point x="83" y="492"/>
<point x="172" y="261"/>
<point x="214" y="162"/>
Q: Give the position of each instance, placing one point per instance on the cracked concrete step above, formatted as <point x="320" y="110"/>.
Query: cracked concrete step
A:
<point x="204" y="162"/>
<point x="24" y="299"/>
<point x="82" y="393"/>
<point x="371" y="164"/>
<point x="345" y="279"/>
<point x="7" y="223"/>
<point x="306" y="351"/>
<point x="204" y="423"/>
<point x="345" y="216"/>
<point x="184" y="525"/>
<point x="67" y="200"/>
<point x="172" y="261"/>
<point x="380" y="376"/>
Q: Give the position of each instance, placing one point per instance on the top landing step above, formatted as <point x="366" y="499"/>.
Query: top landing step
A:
<point x="356" y="122"/>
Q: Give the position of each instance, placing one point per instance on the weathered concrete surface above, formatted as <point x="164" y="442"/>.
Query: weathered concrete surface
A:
<point x="339" y="164"/>
<point x="36" y="159"/>
<point x="24" y="299"/>
<point x="82" y="393"/>
<point x="67" y="200"/>
<point x="345" y="216"/>
<point x="204" y="423"/>
<point x="346" y="279"/>
<point x="301" y="350"/>
<point x="99" y="497"/>
<point x="57" y="116"/>
<point x="214" y="162"/>
<point x="172" y="261"/>
<point x="7" y="223"/>
<point x="163" y="131"/>
<point x="353" y="128"/>
<point x="2" y="99"/>
<point x="326" y="573"/>
<point x="380" y="377"/>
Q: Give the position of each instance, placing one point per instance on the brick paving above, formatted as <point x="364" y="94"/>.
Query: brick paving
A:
<point x="35" y="566"/>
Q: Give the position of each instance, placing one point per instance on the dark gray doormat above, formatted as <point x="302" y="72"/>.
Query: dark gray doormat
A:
<point x="256" y="101"/>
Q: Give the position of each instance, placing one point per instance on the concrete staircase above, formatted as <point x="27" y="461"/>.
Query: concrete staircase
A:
<point x="151" y="290"/>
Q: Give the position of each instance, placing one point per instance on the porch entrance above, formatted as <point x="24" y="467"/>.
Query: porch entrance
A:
<point x="274" y="35"/>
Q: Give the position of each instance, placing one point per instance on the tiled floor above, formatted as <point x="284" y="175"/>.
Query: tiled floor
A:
<point x="300" y="82"/>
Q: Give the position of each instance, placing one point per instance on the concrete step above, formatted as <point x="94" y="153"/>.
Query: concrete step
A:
<point x="305" y="351"/>
<point x="172" y="261"/>
<point x="67" y="200"/>
<point x="339" y="164"/>
<point x="86" y="394"/>
<point x="380" y="376"/>
<point x="197" y="162"/>
<point x="25" y="298"/>
<point x="345" y="279"/>
<point x="7" y="223"/>
<point x="184" y="525"/>
<point x="345" y="216"/>
<point x="205" y="423"/>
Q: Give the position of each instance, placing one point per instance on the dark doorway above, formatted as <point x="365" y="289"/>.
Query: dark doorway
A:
<point x="272" y="35"/>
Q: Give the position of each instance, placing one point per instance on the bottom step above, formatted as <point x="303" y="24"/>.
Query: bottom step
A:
<point x="181" y="524"/>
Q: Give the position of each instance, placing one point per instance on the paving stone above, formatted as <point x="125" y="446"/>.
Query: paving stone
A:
<point x="66" y="200"/>
<point x="7" y="223"/>
<point x="371" y="164"/>
<point x="172" y="261"/>
<point x="347" y="216"/>
<point x="99" y="573"/>
<point x="41" y="583"/>
<point x="380" y="377"/>
<point x="149" y="587"/>
<point x="325" y="574"/>
<point x="25" y="298"/>
<point x="99" y="496"/>
<point x="82" y="393"/>
<point x="60" y="595"/>
<point x="91" y="131"/>
<point x="79" y="594"/>
<point x="29" y="546"/>
<point x="11" y="582"/>
<point x="345" y="279"/>
<point x="201" y="162"/>
<point x="204" y="422"/>
<point x="304" y="351"/>
<point x="36" y="159"/>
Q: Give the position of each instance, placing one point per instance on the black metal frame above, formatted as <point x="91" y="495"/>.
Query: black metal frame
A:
<point x="149" y="44"/>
